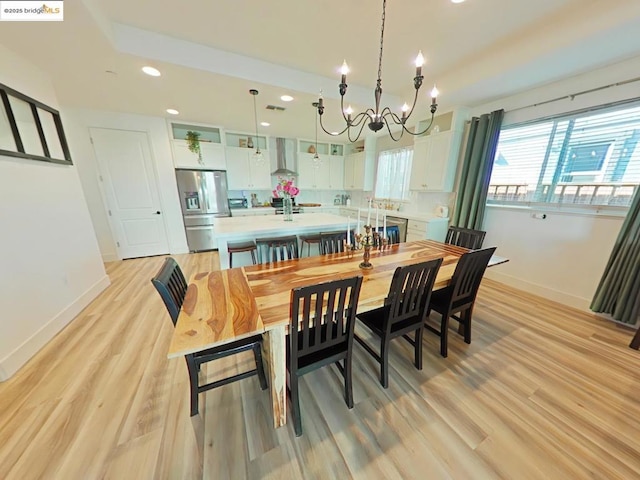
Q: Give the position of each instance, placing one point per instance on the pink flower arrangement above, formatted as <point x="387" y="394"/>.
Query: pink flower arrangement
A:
<point x="285" y="188"/>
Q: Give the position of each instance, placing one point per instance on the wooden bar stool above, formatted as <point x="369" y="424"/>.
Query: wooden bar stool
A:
<point x="239" y="247"/>
<point x="309" y="239"/>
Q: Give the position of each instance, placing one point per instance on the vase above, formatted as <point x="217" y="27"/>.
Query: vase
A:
<point x="287" y="209"/>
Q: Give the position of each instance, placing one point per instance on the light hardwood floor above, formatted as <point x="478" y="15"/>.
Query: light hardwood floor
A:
<point x="542" y="392"/>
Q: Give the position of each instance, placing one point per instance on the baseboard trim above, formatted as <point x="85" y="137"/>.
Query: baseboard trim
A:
<point x="10" y="364"/>
<point x="540" y="290"/>
<point x="109" y="257"/>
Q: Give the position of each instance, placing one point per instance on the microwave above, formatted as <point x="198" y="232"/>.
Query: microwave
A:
<point x="235" y="203"/>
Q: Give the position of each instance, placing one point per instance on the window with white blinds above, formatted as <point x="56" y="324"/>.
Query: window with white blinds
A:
<point x="590" y="158"/>
<point x="392" y="178"/>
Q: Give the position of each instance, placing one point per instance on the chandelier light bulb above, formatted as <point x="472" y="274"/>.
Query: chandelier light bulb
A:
<point x="348" y="110"/>
<point x="405" y="108"/>
<point x="434" y="92"/>
<point x="344" y="70"/>
<point x="419" y="59"/>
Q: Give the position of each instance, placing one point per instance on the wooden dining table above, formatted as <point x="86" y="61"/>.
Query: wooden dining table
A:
<point x="226" y="305"/>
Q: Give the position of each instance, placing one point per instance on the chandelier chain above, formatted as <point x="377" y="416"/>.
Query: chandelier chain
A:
<point x="384" y="5"/>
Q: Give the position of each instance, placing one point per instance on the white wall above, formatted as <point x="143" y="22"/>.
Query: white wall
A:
<point x="51" y="265"/>
<point x="563" y="256"/>
<point x="77" y="124"/>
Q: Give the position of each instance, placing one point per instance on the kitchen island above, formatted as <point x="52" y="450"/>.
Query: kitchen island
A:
<point x="236" y="229"/>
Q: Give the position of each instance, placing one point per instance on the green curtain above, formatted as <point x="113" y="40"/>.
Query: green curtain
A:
<point x="477" y="164"/>
<point x="618" y="293"/>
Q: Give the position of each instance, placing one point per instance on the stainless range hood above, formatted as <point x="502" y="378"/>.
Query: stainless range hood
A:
<point x="285" y="149"/>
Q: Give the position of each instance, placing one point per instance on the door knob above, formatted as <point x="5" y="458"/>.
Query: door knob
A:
<point x="158" y="212"/>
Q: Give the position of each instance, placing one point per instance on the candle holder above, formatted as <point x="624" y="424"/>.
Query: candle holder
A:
<point x="366" y="240"/>
<point x="349" y="248"/>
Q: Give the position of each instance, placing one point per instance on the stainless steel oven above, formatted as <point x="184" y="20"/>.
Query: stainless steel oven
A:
<point x="402" y="226"/>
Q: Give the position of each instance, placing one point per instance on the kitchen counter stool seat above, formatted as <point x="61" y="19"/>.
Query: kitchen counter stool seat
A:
<point x="239" y="247"/>
<point x="309" y="239"/>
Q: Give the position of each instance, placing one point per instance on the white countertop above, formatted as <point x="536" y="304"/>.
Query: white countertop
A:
<point x="424" y="217"/>
<point x="228" y="227"/>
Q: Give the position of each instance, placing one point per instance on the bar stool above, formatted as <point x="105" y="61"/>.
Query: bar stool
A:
<point x="309" y="239"/>
<point x="239" y="247"/>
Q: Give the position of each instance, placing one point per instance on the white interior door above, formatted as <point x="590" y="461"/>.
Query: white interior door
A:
<point x="126" y="167"/>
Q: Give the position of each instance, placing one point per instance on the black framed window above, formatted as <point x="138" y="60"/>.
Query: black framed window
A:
<point x="31" y="129"/>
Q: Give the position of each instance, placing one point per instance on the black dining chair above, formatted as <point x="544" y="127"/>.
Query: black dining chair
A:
<point x="403" y="312"/>
<point x="458" y="298"/>
<point x="393" y="234"/>
<point x="172" y="287"/>
<point x="465" y="237"/>
<point x="332" y="242"/>
<point x="321" y="333"/>
<point x="277" y="248"/>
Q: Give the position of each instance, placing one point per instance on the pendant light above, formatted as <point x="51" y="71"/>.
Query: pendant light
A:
<point x="257" y="156"/>
<point x="316" y="160"/>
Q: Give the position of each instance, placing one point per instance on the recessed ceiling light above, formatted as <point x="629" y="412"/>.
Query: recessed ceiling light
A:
<point x="172" y="111"/>
<point x="457" y="1"/>
<point x="286" y="98"/>
<point x="154" y="72"/>
<point x="265" y="124"/>
<point x="335" y="133"/>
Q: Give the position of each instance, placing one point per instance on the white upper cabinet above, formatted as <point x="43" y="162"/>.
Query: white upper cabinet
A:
<point x="243" y="173"/>
<point x="358" y="171"/>
<point x="323" y="173"/>
<point x="435" y="155"/>
<point x="212" y="155"/>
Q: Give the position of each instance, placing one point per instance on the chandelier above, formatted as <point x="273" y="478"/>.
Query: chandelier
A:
<point x="257" y="156"/>
<point x="378" y="119"/>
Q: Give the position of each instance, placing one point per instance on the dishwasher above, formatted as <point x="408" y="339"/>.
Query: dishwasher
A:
<point x="402" y="226"/>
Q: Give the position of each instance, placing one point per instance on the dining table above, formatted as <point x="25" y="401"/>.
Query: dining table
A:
<point x="226" y="305"/>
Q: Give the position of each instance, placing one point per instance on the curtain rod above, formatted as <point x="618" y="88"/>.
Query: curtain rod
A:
<point x="577" y="94"/>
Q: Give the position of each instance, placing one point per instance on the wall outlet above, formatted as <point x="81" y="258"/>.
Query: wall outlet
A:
<point x="539" y="216"/>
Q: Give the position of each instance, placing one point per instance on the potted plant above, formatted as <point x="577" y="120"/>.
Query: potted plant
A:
<point x="193" y="143"/>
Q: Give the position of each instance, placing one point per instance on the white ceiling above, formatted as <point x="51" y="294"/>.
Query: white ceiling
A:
<point x="211" y="53"/>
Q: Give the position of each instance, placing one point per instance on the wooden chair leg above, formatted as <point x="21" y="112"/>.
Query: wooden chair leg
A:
<point x="193" y="383"/>
<point x="418" y="348"/>
<point x="467" y="325"/>
<point x="444" y="334"/>
<point x="257" y="354"/>
<point x="253" y="257"/>
<point x="635" y="343"/>
<point x="230" y="259"/>
<point x="295" y="405"/>
<point x="348" y="381"/>
<point x="384" y="363"/>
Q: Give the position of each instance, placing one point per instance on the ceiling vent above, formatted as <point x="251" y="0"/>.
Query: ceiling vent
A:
<point x="275" y="107"/>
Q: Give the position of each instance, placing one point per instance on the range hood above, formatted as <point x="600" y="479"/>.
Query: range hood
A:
<point x="284" y="150"/>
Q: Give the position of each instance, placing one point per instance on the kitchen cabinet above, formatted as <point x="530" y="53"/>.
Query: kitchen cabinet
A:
<point x="213" y="156"/>
<point x="435" y="159"/>
<point x="327" y="174"/>
<point x="336" y="172"/>
<point x="313" y="175"/>
<point x="243" y="173"/>
<point x="432" y="229"/>
<point x="211" y="148"/>
<point x="358" y="169"/>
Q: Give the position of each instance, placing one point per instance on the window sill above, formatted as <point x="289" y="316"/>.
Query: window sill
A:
<point x="573" y="210"/>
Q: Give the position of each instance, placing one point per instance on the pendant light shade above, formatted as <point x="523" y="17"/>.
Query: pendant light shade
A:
<point x="257" y="156"/>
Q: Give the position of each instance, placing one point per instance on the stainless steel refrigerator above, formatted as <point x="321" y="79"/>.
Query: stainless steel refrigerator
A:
<point x="203" y="196"/>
